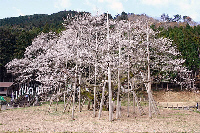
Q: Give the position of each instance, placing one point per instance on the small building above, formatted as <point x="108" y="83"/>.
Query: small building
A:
<point x="6" y="88"/>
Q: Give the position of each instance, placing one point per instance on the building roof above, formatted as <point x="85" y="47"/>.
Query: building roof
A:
<point x="5" y="84"/>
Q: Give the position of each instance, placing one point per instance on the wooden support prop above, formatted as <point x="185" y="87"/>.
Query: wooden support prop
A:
<point x="141" y="111"/>
<point x="133" y="103"/>
<point x="76" y="105"/>
<point x="50" y="102"/>
<point x="110" y="95"/>
<point x="65" y="106"/>
<point x="64" y="99"/>
<point x="94" y="105"/>
<point x="113" y="106"/>
<point x="57" y="103"/>
<point x="102" y="99"/>
<point x="74" y="91"/>
<point x="79" y="96"/>
<point x="120" y="108"/>
<point x="69" y="103"/>
<point x="83" y="102"/>
<point x="88" y="104"/>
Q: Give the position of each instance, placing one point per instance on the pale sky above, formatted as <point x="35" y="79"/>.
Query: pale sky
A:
<point x="153" y="8"/>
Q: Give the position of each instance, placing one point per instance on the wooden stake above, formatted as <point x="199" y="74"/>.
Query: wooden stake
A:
<point x="102" y="99"/>
<point x="110" y="95"/>
<point x="57" y="99"/>
<point x="74" y="92"/>
<point x="149" y="79"/>
<point x="109" y="76"/>
<point x="73" y="101"/>
<point x="64" y="99"/>
<point x="133" y="102"/>
<point x="79" y="96"/>
<point x="128" y="74"/>
<point x="119" y="84"/>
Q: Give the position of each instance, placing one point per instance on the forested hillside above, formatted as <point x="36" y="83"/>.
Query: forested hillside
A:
<point x="17" y="33"/>
<point x="187" y="40"/>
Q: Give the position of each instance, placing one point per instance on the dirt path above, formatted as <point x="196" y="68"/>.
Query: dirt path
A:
<point x="39" y="119"/>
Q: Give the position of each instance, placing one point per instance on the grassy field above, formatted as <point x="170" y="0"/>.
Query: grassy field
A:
<point x="38" y="119"/>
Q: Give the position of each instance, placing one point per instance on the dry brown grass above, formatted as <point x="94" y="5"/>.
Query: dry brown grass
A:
<point x="38" y="118"/>
<point x="182" y="96"/>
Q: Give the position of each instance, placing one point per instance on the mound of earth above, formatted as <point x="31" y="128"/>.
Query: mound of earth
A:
<point x="182" y="96"/>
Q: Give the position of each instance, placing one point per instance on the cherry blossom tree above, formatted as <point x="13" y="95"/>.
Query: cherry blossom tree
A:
<point x="112" y="49"/>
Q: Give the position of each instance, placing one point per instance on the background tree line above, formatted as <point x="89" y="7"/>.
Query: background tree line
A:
<point x="18" y="32"/>
<point x="187" y="40"/>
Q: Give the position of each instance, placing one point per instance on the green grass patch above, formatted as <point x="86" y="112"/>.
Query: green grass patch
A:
<point x="145" y="103"/>
<point x="45" y="103"/>
<point x="142" y="103"/>
<point x="197" y="111"/>
<point x="60" y="102"/>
